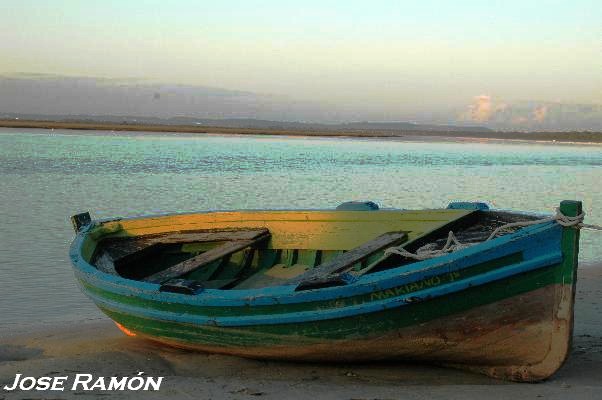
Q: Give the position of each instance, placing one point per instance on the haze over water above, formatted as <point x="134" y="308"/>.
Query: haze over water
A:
<point x="46" y="176"/>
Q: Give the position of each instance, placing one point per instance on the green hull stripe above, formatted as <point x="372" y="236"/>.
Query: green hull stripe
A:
<point x="349" y="328"/>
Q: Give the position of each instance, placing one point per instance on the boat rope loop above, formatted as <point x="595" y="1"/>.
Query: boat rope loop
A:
<point x="453" y="244"/>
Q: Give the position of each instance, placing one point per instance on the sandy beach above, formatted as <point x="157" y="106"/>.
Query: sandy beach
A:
<point x="99" y="348"/>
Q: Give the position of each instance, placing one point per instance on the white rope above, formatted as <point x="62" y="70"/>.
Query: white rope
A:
<point x="453" y="244"/>
<point x="428" y="251"/>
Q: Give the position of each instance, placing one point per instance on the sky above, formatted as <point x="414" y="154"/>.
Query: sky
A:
<point x="399" y="56"/>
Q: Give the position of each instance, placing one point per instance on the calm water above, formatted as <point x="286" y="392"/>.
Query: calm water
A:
<point x="46" y="176"/>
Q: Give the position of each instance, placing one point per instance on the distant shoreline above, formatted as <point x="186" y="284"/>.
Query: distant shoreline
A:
<point x="552" y="137"/>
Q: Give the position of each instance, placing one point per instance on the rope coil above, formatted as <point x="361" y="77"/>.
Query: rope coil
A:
<point x="453" y="244"/>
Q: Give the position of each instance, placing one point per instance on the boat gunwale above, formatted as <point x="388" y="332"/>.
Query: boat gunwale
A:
<point x="285" y="294"/>
<point x="277" y="210"/>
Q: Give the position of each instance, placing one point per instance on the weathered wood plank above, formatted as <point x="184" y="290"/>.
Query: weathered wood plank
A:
<point x="121" y="248"/>
<point x="125" y="251"/>
<point x="212" y="236"/>
<point x="353" y="256"/>
<point x="198" y="261"/>
<point x="203" y="259"/>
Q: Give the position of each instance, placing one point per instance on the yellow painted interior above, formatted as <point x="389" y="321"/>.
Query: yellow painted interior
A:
<point x="324" y="230"/>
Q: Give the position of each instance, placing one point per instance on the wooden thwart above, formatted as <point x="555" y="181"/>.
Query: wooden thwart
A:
<point x="228" y="248"/>
<point x="122" y="248"/>
<point x="351" y="257"/>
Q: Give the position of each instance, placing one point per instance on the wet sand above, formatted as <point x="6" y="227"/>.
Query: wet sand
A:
<point x="99" y="348"/>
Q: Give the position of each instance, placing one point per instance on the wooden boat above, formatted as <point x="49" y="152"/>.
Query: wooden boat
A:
<point x="316" y="285"/>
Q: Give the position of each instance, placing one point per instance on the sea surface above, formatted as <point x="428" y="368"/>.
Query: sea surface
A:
<point x="48" y="175"/>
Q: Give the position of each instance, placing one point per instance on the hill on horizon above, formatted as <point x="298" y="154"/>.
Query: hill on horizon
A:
<point x="252" y="123"/>
<point x="111" y="100"/>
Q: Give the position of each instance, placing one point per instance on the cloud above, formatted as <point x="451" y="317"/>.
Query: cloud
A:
<point x="480" y="110"/>
<point x="486" y="111"/>
<point x="539" y="114"/>
<point x="534" y="115"/>
<point x="483" y="109"/>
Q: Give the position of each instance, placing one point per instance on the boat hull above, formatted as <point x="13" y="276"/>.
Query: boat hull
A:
<point x="514" y="335"/>
<point x="504" y="309"/>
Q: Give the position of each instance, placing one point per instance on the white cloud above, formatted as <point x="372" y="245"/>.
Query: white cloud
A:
<point x="539" y="114"/>
<point x="480" y="110"/>
<point x="535" y="115"/>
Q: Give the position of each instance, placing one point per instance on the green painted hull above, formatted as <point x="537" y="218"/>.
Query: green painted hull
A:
<point x="373" y="325"/>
